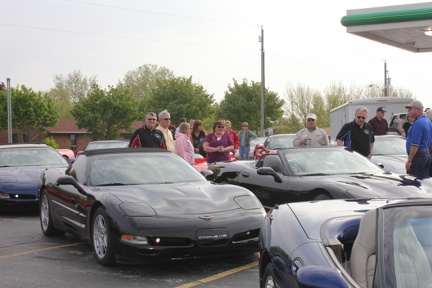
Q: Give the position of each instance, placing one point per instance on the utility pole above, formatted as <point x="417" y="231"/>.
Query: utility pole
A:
<point x="261" y="39"/>
<point x="386" y="80"/>
<point x="9" y="110"/>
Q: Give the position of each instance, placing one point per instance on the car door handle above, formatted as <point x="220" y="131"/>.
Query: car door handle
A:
<point x="245" y="174"/>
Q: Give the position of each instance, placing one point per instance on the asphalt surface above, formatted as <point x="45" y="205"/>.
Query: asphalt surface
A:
<point x="30" y="259"/>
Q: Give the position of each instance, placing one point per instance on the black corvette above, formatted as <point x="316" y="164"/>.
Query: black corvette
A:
<point x="146" y="205"/>
<point x="302" y="174"/>
<point x="347" y="243"/>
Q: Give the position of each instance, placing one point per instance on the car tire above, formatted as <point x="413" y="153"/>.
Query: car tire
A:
<point x="46" y="221"/>
<point x="268" y="280"/>
<point x="101" y="239"/>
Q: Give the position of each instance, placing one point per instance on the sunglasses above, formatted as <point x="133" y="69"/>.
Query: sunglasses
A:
<point x="310" y="120"/>
<point x="361" y="117"/>
<point x="245" y="125"/>
<point x="151" y="119"/>
<point x="166" y="119"/>
<point x="220" y="127"/>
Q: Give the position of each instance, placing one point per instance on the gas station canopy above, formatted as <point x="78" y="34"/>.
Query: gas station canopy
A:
<point x="407" y="27"/>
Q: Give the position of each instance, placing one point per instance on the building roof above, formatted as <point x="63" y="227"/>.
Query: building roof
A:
<point x="68" y="126"/>
<point x="401" y="26"/>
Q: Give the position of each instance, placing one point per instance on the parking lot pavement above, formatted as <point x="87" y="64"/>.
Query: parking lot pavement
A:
<point x="29" y="259"/>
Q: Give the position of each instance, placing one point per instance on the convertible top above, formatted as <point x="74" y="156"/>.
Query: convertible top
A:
<point x="124" y="150"/>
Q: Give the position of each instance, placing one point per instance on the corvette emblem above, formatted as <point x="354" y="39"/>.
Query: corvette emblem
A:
<point x="208" y="218"/>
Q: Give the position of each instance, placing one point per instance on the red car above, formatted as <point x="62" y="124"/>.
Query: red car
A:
<point x="273" y="143"/>
<point x="68" y="154"/>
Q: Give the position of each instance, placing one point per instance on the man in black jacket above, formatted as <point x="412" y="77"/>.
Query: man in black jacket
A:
<point x="148" y="135"/>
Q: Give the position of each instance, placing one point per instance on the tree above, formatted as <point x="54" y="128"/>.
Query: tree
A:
<point x="181" y="97"/>
<point x="31" y="112"/>
<point x="106" y="113"/>
<point x="143" y="80"/>
<point x="242" y="102"/>
<point x="70" y="89"/>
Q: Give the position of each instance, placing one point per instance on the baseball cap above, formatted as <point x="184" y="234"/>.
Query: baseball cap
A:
<point x="415" y="104"/>
<point x="381" y="109"/>
<point x="311" y="116"/>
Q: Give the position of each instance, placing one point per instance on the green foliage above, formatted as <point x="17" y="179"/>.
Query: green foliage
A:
<point x="50" y="141"/>
<point x="106" y="113"/>
<point x="242" y="103"/>
<point x="31" y="111"/>
<point x="181" y="97"/>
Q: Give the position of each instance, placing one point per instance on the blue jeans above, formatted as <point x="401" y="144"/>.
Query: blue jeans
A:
<point x="420" y="165"/>
<point x="244" y="152"/>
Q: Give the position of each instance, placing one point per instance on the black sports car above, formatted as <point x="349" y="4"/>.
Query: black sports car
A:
<point x="347" y="243"/>
<point x="143" y="205"/>
<point x="301" y="174"/>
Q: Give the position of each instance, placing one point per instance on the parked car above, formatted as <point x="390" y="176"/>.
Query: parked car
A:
<point x="303" y="174"/>
<point x="253" y="143"/>
<point x="347" y="243"/>
<point x="104" y="144"/>
<point x="390" y="152"/>
<point x="68" y="154"/>
<point x="200" y="163"/>
<point x="273" y="143"/>
<point x="145" y="205"/>
<point x="21" y="166"/>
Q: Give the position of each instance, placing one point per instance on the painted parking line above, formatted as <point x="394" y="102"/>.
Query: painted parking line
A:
<point x="218" y="276"/>
<point x="39" y="250"/>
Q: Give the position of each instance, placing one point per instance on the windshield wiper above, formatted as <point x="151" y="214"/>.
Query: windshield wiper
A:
<point x="113" y="184"/>
<point x="314" y="174"/>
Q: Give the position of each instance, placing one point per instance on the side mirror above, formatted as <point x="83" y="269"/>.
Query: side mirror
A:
<point x="270" y="172"/>
<point x="68" y="180"/>
<point x="319" y="276"/>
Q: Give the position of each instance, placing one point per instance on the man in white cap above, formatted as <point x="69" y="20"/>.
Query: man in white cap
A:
<point x="419" y="140"/>
<point x="311" y="136"/>
<point x="379" y="123"/>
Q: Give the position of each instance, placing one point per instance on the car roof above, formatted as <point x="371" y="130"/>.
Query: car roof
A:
<point x="124" y="151"/>
<point x="108" y="141"/>
<point x="23" y="145"/>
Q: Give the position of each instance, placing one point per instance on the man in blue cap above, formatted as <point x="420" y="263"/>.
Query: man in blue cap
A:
<point x="379" y="123"/>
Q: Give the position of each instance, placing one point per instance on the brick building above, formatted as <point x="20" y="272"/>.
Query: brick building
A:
<point x="67" y="135"/>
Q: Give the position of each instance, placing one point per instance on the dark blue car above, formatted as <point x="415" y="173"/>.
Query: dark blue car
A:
<point x="21" y="167"/>
<point x="347" y="243"/>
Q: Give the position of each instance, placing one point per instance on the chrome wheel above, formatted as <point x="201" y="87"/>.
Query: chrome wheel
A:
<point x="268" y="277"/>
<point x="44" y="213"/>
<point x="100" y="239"/>
<point x="269" y="282"/>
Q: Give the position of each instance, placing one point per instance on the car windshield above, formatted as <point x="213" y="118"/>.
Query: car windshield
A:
<point x="105" y="145"/>
<point x="33" y="156"/>
<point x="408" y="246"/>
<point x="140" y="168"/>
<point x="257" y="140"/>
<point x="281" y="141"/>
<point x="389" y="146"/>
<point x="328" y="161"/>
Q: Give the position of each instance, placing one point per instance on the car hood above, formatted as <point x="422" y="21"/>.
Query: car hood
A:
<point x="380" y="185"/>
<point x="182" y="198"/>
<point x="392" y="163"/>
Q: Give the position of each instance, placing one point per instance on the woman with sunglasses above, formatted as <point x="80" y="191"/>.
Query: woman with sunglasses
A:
<point x="218" y="144"/>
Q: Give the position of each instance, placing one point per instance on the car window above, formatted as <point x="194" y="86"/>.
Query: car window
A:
<point x="331" y="161"/>
<point x="30" y="157"/>
<point x="140" y="168"/>
<point x="389" y="146"/>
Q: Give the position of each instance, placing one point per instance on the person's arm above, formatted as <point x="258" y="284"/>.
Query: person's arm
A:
<point x="297" y="139"/>
<point x="208" y="149"/>
<point x="400" y="128"/>
<point x="371" y="149"/>
<point x="325" y="138"/>
<point x="412" y="153"/>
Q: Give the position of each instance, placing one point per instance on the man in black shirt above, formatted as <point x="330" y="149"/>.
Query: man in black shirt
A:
<point x="148" y="135"/>
<point x="358" y="134"/>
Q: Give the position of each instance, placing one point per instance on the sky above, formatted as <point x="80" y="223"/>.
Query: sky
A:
<point x="212" y="41"/>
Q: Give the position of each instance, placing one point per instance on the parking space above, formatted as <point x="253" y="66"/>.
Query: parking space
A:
<point x="30" y="259"/>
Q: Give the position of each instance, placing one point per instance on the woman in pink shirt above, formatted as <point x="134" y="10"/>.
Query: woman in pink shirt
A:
<point x="184" y="147"/>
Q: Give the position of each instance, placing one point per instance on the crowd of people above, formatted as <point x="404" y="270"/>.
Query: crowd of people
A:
<point x="191" y="137"/>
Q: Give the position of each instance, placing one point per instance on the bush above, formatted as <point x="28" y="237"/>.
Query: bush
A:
<point x="51" y="142"/>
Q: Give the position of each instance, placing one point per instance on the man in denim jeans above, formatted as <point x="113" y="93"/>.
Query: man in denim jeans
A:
<point x="418" y="143"/>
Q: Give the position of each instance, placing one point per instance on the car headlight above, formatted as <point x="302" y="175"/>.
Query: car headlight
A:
<point x="136" y="240"/>
<point x="133" y="209"/>
<point x="248" y="202"/>
<point x="4" y="195"/>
